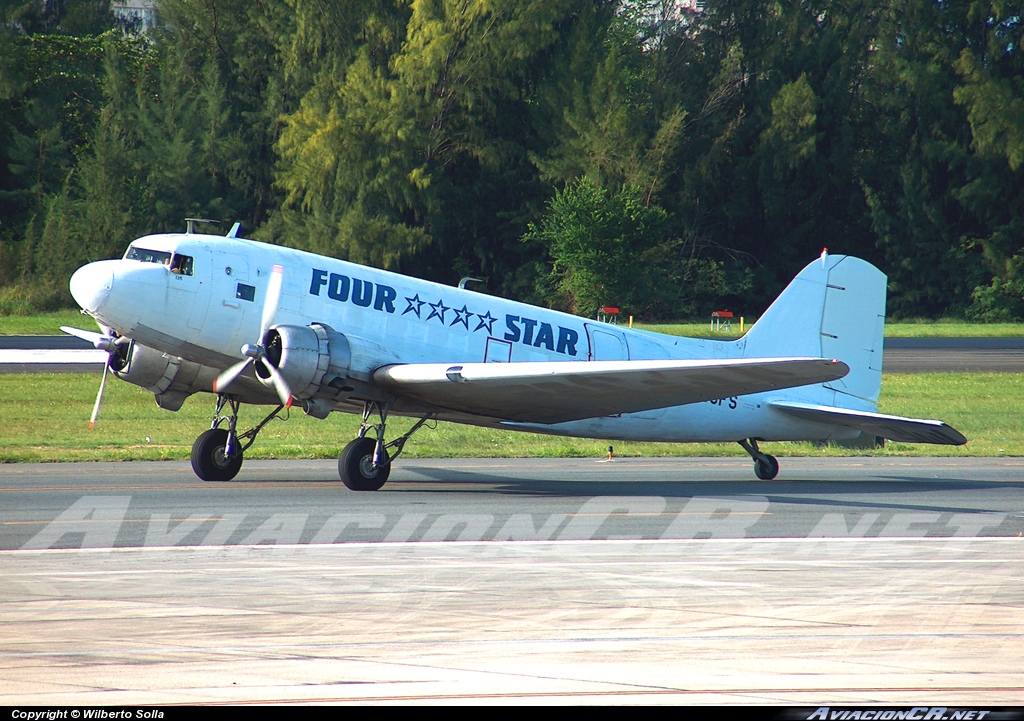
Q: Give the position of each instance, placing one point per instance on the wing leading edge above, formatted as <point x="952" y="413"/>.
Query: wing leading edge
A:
<point x="894" y="428"/>
<point x="555" y="392"/>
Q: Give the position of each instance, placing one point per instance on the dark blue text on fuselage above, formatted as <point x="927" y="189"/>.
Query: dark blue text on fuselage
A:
<point x="382" y="297"/>
<point x="521" y="330"/>
<point x="360" y="292"/>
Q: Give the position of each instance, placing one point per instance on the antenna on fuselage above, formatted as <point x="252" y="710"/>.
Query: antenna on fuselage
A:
<point x="468" y="279"/>
<point x="190" y="224"/>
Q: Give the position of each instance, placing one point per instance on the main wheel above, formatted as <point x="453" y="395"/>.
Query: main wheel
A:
<point x="767" y="469"/>
<point x="355" y="466"/>
<point x="208" y="458"/>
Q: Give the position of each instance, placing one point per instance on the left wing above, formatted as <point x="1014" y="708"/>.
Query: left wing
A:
<point x="554" y="392"/>
<point x="894" y="428"/>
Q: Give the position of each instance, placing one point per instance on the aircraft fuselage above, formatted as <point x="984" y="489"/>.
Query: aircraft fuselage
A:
<point x="204" y="313"/>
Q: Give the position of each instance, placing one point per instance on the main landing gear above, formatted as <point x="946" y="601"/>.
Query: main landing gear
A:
<point x="365" y="464"/>
<point x="217" y="453"/>
<point x="765" y="467"/>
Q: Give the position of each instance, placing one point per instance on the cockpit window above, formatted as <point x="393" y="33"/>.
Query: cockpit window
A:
<point x="181" y="264"/>
<point x="177" y="263"/>
<point x="147" y="256"/>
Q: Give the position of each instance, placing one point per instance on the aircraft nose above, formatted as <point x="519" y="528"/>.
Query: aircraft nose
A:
<point x="91" y="284"/>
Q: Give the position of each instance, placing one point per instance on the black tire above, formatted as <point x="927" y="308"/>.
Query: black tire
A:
<point x="208" y="460"/>
<point x="355" y="466"/>
<point x="766" y="471"/>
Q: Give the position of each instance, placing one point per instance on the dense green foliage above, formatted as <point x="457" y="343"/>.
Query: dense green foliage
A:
<point x="572" y="153"/>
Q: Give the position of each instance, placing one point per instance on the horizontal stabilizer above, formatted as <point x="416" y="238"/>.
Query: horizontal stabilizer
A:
<point x="555" y="392"/>
<point x="894" y="428"/>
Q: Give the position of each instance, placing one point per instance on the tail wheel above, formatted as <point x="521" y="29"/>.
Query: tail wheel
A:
<point x="355" y="466"/>
<point x="767" y="468"/>
<point x="209" y="460"/>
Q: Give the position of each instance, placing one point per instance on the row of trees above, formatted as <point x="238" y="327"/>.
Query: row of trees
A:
<point x="572" y="152"/>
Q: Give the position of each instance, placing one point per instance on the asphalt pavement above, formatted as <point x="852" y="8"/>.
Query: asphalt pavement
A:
<point x="67" y="354"/>
<point x="303" y="502"/>
<point x="868" y="581"/>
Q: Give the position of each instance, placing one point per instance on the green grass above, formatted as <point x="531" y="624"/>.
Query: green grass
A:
<point x="692" y="330"/>
<point x="944" y="328"/>
<point x="50" y="323"/>
<point x="45" y="419"/>
<point x="44" y="323"/>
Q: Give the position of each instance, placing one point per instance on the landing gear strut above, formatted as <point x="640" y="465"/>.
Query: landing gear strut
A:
<point x="365" y="464"/>
<point x="765" y="467"/>
<point x="217" y="453"/>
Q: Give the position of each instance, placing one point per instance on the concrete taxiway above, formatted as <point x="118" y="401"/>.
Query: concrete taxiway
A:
<point x="869" y="580"/>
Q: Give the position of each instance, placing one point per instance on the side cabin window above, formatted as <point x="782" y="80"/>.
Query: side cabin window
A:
<point x="177" y="263"/>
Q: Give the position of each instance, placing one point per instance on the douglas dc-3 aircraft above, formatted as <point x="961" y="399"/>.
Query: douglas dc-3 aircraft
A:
<point x="267" y="325"/>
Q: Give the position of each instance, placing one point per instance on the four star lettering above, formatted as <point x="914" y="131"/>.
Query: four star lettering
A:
<point x="365" y="293"/>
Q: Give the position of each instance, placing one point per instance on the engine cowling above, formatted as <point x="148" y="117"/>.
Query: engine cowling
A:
<point x="169" y="378"/>
<point x="309" y="357"/>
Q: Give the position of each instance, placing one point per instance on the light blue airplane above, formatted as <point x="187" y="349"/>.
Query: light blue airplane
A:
<point x="184" y="313"/>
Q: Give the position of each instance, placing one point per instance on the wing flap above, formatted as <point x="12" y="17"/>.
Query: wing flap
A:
<point x="894" y="428"/>
<point x="555" y="392"/>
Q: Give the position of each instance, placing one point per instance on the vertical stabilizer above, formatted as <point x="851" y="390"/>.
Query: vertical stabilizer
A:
<point x="835" y="308"/>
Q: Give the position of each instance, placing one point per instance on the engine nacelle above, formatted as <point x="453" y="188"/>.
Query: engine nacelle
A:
<point x="169" y="378"/>
<point x="309" y="358"/>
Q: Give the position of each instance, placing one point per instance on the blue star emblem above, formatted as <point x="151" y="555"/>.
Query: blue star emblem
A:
<point x="462" y="316"/>
<point x="437" y="310"/>
<point x="414" y="305"/>
<point x="485" y="321"/>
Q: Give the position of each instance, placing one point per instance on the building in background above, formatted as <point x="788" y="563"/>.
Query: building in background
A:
<point x="137" y="15"/>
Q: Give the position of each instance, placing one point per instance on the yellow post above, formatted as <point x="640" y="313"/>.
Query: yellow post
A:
<point x="630" y="321"/>
<point x="741" y="325"/>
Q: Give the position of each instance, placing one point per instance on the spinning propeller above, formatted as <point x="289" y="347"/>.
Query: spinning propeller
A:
<point x="103" y="341"/>
<point x="258" y="353"/>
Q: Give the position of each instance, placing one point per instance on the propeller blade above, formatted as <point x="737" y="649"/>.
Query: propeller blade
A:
<point x="230" y="375"/>
<point x="279" y="383"/>
<point x="86" y="335"/>
<point x="99" y="398"/>
<point x="103" y="342"/>
<point x="272" y="300"/>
